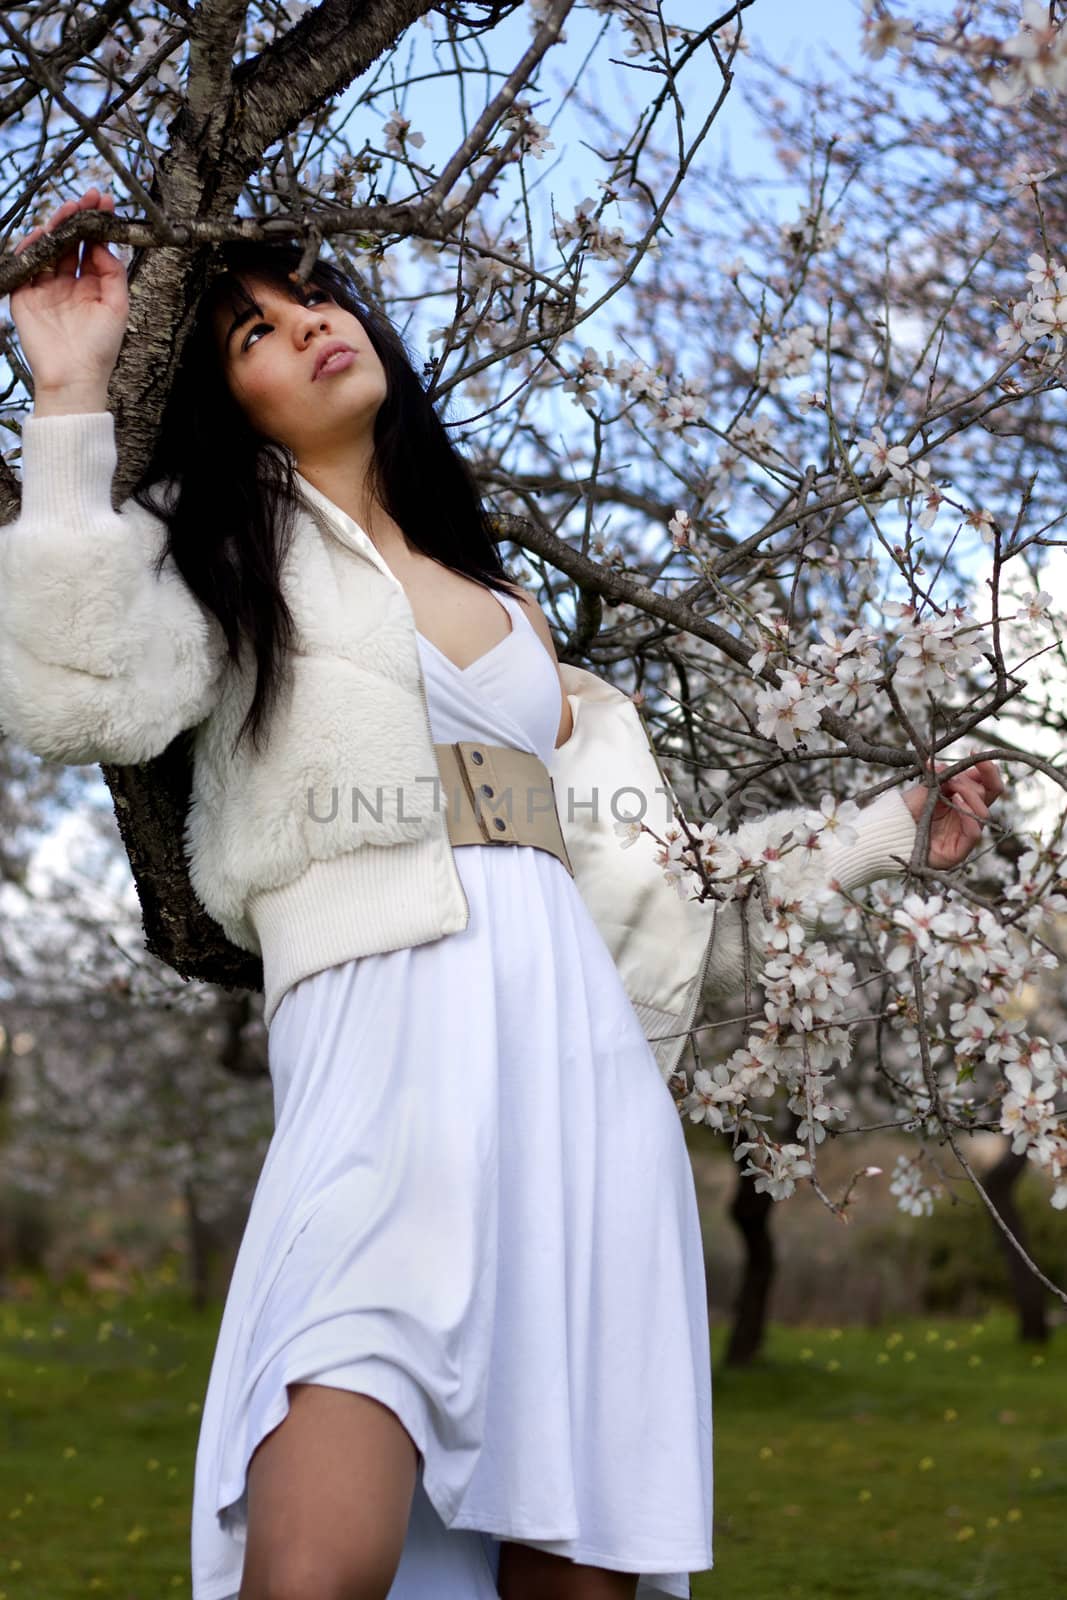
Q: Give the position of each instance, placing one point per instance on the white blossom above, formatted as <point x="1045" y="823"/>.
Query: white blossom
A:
<point x="534" y="140"/>
<point x="754" y="434"/>
<point x="1021" y="178"/>
<point x="714" y="853"/>
<point x="847" y="665"/>
<point x="775" y="630"/>
<point x="882" y="32"/>
<point x="806" y="987"/>
<point x="933" y="651"/>
<point x="920" y="919"/>
<point x="913" y="1195"/>
<point x="933" y="499"/>
<point x="785" y="712"/>
<point x="680" y="528"/>
<point x="1043" y="272"/>
<point x="789" y="356"/>
<point x="1037" y="610"/>
<point x="836" y="818"/>
<point x="586" y="376"/>
<point x="636" y="379"/>
<point x="983" y="521"/>
<point x="677" y="410"/>
<point x="713" y="1096"/>
<point x="398" y="135"/>
<point x="602" y="243"/>
<point x="885" y="457"/>
<point x="1025" y="1112"/>
<point x="775" y="1169"/>
<point x="1039" y="52"/>
<point x="812" y="231"/>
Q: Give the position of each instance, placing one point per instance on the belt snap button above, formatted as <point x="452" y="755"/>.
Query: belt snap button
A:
<point x="498" y="822"/>
<point x="485" y="789"/>
<point x="477" y="757"/>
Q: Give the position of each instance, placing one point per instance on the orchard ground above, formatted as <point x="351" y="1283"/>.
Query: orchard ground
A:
<point x="927" y="1458"/>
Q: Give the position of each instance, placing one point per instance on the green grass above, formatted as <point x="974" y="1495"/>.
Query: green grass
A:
<point x="938" y="1472"/>
<point x="923" y="1461"/>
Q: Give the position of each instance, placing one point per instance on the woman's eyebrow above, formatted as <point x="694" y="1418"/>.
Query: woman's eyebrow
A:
<point x="254" y="310"/>
<point x="240" y="320"/>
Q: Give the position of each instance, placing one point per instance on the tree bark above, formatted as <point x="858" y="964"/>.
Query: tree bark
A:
<point x="316" y="59"/>
<point x="213" y="1247"/>
<point x="1029" y="1295"/>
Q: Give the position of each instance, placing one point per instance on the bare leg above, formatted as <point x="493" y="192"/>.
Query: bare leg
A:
<point x="329" y="1497"/>
<point x="528" y="1574"/>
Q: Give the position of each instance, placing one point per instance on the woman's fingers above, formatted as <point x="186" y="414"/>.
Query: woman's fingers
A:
<point x="91" y="200"/>
<point x="966" y="799"/>
<point x="67" y="263"/>
<point x="99" y="256"/>
<point x="962" y="810"/>
<point x="990" y="778"/>
<point x="88" y="202"/>
<point x="985" y="774"/>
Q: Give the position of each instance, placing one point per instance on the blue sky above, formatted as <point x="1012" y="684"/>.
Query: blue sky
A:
<point x="779" y="27"/>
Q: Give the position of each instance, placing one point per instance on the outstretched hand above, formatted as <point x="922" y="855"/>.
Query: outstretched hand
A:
<point x="960" y="813"/>
<point x="71" y="317"/>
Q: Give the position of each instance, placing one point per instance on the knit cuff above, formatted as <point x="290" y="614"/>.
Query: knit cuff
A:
<point x="68" y="464"/>
<point x="886" y="836"/>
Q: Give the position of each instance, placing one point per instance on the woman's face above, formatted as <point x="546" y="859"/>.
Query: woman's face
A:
<point x="270" y="359"/>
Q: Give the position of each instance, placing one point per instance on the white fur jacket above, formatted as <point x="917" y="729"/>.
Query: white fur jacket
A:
<point x="101" y="660"/>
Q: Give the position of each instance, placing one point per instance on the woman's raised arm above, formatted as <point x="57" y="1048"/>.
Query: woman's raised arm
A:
<point x="101" y="659"/>
<point x="885" y="834"/>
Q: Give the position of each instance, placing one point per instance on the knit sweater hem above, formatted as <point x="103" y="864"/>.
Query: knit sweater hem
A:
<point x="361" y="903"/>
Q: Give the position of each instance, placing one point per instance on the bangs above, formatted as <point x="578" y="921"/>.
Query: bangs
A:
<point x="232" y="291"/>
<point x="242" y="263"/>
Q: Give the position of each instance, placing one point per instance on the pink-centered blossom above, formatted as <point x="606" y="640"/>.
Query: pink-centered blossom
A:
<point x="884" y="456"/>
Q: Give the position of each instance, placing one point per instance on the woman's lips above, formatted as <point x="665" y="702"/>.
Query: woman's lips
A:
<point x="336" y="363"/>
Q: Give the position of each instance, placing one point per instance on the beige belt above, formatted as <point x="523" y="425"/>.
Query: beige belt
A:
<point x="496" y="795"/>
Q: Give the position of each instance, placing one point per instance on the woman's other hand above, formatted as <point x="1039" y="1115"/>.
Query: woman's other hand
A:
<point x="71" y="323"/>
<point x="960" y="812"/>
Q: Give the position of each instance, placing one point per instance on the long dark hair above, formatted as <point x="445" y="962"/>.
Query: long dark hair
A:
<point x="231" y="520"/>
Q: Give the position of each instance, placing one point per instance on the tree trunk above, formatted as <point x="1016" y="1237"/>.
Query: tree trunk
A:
<point x="1030" y="1296"/>
<point x="213" y="1246"/>
<point x="198" y="1249"/>
<point x="751" y="1212"/>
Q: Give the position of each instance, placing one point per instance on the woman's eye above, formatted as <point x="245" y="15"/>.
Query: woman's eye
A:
<point x="316" y="294"/>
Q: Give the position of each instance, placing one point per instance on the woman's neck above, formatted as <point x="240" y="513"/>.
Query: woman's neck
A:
<point x="345" y="483"/>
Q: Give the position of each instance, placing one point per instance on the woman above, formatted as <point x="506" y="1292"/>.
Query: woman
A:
<point x="464" y="1348"/>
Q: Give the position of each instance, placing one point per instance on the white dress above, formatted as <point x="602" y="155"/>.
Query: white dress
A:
<point x="478" y="1207"/>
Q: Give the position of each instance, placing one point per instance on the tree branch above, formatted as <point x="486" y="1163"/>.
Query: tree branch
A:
<point x="310" y="63"/>
<point x="80" y="42"/>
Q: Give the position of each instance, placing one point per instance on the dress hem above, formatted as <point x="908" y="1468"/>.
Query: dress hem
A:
<point x="633" y="1566"/>
<point x="387" y="1390"/>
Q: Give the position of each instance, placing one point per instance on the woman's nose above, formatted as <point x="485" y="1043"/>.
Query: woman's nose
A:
<point x="306" y="326"/>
